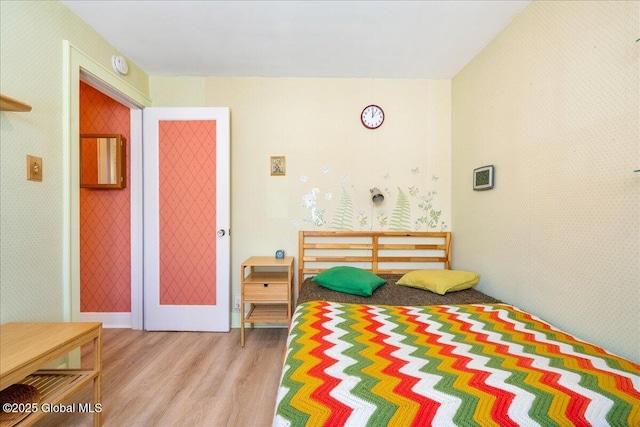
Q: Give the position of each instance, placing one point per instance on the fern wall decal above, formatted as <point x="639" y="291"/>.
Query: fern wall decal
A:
<point x="401" y="215"/>
<point x="343" y="217"/>
<point x="409" y="209"/>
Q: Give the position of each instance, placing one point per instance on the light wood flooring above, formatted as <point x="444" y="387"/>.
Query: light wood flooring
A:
<point x="184" y="379"/>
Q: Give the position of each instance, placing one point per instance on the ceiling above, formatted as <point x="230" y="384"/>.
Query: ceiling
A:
<point x="363" y="39"/>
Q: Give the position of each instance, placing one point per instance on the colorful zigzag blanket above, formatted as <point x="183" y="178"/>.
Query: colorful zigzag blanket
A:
<point x="448" y="365"/>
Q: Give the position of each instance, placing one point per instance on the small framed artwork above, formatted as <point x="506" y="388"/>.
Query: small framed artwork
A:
<point x="483" y="178"/>
<point x="278" y="165"/>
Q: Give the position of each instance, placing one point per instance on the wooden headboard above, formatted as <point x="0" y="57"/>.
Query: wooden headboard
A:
<point x="382" y="252"/>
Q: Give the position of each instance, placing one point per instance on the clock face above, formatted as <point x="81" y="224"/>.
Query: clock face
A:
<point x="372" y="117"/>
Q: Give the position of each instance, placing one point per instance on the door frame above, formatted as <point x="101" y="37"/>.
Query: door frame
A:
<point x="78" y="65"/>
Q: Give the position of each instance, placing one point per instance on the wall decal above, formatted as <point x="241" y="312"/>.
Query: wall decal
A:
<point x="401" y="215"/>
<point x="343" y="218"/>
<point x="406" y="207"/>
<point x="425" y="204"/>
<point x="382" y="220"/>
<point x="363" y="219"/>
<point x="316" y="214"/>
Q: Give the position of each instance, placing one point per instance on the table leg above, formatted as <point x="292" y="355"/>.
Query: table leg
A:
<point x="97" y="381"/>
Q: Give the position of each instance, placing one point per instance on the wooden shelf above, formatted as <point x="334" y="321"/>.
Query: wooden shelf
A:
<point x="55" y="386"/>
<point x="268" y="313"/>
<point x="27" y="346"/>
<point x="9" y="104"/>
<point x="266" y="276"/>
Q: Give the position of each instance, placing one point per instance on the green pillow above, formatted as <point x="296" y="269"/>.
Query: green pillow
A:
<point x="350" y="280"/>
<point x="439" y="281"/>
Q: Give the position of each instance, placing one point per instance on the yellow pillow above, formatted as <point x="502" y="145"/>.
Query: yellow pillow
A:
<point x="439" y="281"/>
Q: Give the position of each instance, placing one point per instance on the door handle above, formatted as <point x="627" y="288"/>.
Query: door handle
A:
<point x="221" y="233"/>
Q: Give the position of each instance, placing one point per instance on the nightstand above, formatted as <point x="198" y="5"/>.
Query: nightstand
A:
<point x="267" y="286"/>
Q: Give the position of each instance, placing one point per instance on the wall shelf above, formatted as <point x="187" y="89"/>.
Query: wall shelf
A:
<point x="9" y="104"/>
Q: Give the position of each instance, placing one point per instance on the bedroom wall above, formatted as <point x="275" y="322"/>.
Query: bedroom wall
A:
<point x="552" y="102"/>
<point x="331" y="159"/>
<point x="31" y="213"/>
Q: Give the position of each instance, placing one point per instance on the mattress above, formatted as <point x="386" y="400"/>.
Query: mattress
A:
<point x="445" y="365"/>
<point x="392" y="294"/>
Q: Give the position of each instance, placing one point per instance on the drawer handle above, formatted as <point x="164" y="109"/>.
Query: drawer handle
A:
<point x="266" y="285"/>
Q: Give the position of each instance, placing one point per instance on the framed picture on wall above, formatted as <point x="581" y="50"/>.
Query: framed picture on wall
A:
<point x="483" y="178"/>
<point x="278" y="165"/>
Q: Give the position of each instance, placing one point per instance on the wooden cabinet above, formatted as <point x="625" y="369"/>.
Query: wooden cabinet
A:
<point x="267" y="288"/>
<point x="27" y="347"/>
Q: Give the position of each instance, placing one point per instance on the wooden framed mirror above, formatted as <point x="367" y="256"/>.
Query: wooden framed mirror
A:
<point x="103" y="161"/>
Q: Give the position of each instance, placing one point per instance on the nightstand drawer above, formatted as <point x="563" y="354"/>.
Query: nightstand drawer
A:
<point x="266" y="292"/>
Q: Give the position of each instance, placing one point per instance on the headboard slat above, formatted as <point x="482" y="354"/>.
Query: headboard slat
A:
<point x="337" y="246"/>
<point x="411" y="259"/>
<point x="398" y="247"/>
<point x="382" y="252"/>
<point x="308" y="258"/>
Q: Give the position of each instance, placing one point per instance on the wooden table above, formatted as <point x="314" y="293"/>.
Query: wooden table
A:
<point x="27" y="347"/>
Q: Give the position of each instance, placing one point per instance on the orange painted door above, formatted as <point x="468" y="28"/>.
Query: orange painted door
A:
<point x="186" y="219"/>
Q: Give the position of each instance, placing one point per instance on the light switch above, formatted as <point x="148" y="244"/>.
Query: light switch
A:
<point x="34" y="168"/>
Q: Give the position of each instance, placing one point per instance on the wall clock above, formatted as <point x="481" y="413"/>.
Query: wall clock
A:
<point x="372" y="117"/>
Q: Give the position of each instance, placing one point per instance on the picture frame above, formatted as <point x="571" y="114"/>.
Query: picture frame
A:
<point x="278" y="165"/>
<point x="483" y="178"/>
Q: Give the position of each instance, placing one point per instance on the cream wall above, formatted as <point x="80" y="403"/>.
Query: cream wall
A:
<point x="331" y="159"/>
<point x="552" y="102"/>
<point x="31" y="213"/>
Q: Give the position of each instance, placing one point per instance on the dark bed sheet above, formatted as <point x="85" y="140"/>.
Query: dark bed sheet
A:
<point x="392" y="294"/>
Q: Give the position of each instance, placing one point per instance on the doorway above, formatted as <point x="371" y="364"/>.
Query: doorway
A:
<point x="105" y="217"/>
<point x="80" y="67"/>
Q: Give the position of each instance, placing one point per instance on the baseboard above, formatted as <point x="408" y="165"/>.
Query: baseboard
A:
<point x="123" y="320"/>
<point x="109" y="320"/>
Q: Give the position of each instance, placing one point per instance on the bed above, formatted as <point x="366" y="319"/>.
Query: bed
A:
<point x="407" y="356"/>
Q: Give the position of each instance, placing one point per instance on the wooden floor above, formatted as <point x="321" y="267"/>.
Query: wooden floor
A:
<point x="184" y="379"/>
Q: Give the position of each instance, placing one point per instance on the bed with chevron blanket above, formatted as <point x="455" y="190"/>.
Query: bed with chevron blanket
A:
<point x="447" y="365"/>
<point x="408" y="357"/>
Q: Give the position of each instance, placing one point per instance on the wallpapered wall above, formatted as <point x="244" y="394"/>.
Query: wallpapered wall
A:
<point x="105" y="216"/>
<point x="32" y="286"/>
<point x="552" y="102"/>
<point x="332" y="161"/>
